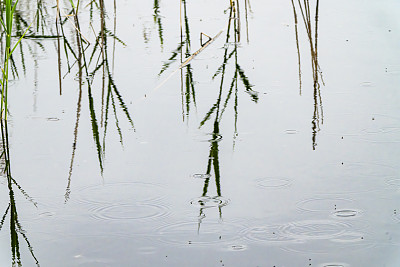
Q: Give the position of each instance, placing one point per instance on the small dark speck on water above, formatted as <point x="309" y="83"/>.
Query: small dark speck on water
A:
<point x="190" y="242"/>
<point x="390" y="30"/>
<point x="342" y="163"/>
<point x="347" y="40"/>
<point x="342" y="137"/>
<point x="220" y="237"/>
<point x="373" y="118"/>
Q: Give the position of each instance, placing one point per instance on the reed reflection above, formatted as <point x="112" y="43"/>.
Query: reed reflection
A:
<point x="212" y="166"/>
<point x="226" y="94"/>
<point x="29" y="22"/>
<point x="183" y="53"/>
<point x="231" y="57"/>
<point x="187" y="81"/>
<point x="16" y="229"/>
<point x="312" y="35"/>
<point x="157" y="21"/>
<point x="93" y="61"/>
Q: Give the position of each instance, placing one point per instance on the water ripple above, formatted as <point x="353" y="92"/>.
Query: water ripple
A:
<point x="368" y="169"/>
<point x="200" y="234"/>
<point x="393" y="182"/>
<point x="147" y="250"/>
<point x="357" y="177"/>
<point x="122" y="212"/>
<point x="237" y="248"/>
<point x="346" y="213"/>
<point x="396" y="216"/>
<point x="349" y="237"/>
<point x="323" y="203"/>
<point x="273" y="182"/>
<point x="208" y="137"/>
<point x="52" y="119"/>
<point x="367" y="84"/>
<point x="333" y="265"/>
<point x="201" y="176"/>
<point x="266" y="234"/>
<point x="209" y="202"/>
<point x="393" y="69"/>
<point x="314" y="229"/>
<point x="327" y="247"/>
<point x="382" y="129"/>
<point x="120" y="193"/>
<point x="291" y="131"/>
<point x="215" y="138"/>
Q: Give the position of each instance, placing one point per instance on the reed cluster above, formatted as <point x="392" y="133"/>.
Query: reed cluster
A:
<point x="6" y="19"/>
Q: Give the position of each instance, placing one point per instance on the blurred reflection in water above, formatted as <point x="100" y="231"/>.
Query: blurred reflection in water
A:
<point x="16" y="230"/>
<point x="318" y="116"/>
<point x="91" y="59"/>
<point x="157" y="21"/>
<point x="233" y="29"/>
<point x="187" y="82"/>
<point x="22" y="16"/>
<point x="226" y="93"/>
<point x="217" y="110"/>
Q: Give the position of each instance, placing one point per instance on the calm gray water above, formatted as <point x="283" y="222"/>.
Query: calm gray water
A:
<point x="276" y="145"/>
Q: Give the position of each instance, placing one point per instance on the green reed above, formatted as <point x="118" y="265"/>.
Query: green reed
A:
<point x="6" y="21"/>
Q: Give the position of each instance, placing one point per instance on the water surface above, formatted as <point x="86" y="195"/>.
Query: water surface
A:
<point x="205" y="134"/>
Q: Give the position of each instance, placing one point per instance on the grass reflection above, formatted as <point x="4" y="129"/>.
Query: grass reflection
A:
<point x="312" y="35"/>
<point x="213" y="165"/>
<point x="93" y="61"/>
<point x="217" y="110"/>
<point x="187" y="81"/>
<point x="226" y="93"/>
<point x="231" y="54"/>
<point x="157" y="21"/>
<point x="28" y="22"/>
<point x="183" y="53"/>
<point x="16" y="229"/>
